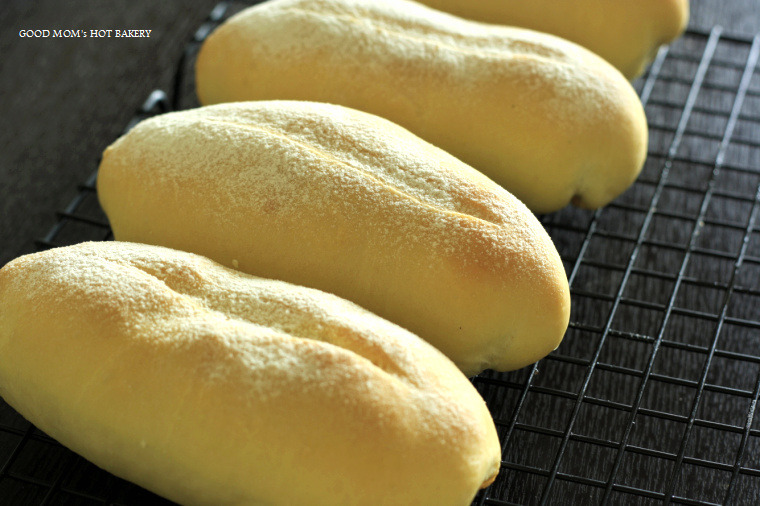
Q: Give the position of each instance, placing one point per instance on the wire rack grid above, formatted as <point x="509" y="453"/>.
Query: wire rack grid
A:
<point x="651" y="397"/>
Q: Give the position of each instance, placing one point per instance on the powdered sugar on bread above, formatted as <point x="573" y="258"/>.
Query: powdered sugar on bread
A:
<point x="346" y="202"/>
<point x="545" y="118"/>
<point x="209" y="386"/>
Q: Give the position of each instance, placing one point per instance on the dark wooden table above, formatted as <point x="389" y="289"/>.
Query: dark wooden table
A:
<point x="617" y="399"/>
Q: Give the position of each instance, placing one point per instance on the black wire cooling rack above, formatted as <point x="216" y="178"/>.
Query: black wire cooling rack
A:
<point x="651" y="397"/>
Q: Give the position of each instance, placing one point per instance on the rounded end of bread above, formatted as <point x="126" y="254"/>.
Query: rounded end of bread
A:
<point x="513" y="306"/>
<point x="661" y="22"/>
<point x="543" y="310"/>
<point x="673" y="19"/>
<point x="619" y="154"/>
<point x="556" y="130"/>
<point x="600" y="138"/>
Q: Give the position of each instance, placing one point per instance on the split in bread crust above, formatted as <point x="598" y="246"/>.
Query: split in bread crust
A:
<point x="212" y="387"/>
<point x="545" y="118"/>
<point x="339" y="200"/>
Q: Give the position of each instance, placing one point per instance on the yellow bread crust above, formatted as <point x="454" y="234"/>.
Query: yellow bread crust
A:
<point x="212" y="387"/>
<point x="545" y="118"/>
<point x="626" y="33"/>
<point x="346" y="202"/>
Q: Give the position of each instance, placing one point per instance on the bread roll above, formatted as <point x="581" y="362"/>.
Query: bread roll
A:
<point x="211" y="387"/>
<point x="627" y="33"/>
<point x="547" y="119"/>
<point x="339" y="200"/>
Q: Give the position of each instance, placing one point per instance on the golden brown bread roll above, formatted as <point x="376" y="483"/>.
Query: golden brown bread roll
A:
<point x="211" y="387"/>
<point x="346" y="202"/>
<point x="626" y="33"/>
<point x="545" y="118"/>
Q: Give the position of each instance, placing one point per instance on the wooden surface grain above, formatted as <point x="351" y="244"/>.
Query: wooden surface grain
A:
<point x="64" y="100"/>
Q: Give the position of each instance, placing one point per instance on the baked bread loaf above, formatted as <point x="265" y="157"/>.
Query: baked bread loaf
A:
<point x="545" y="118"/>
<point x="626" y="33"/>
<point x="339" y="200"/>
<point x="211" y="387"/>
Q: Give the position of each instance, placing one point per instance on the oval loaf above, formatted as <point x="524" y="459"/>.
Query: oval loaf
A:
<point x="339" y="200"/>
<point x="212" y="387"/>
<point x="626" y="33"/>
<point x="545" y="118"/>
